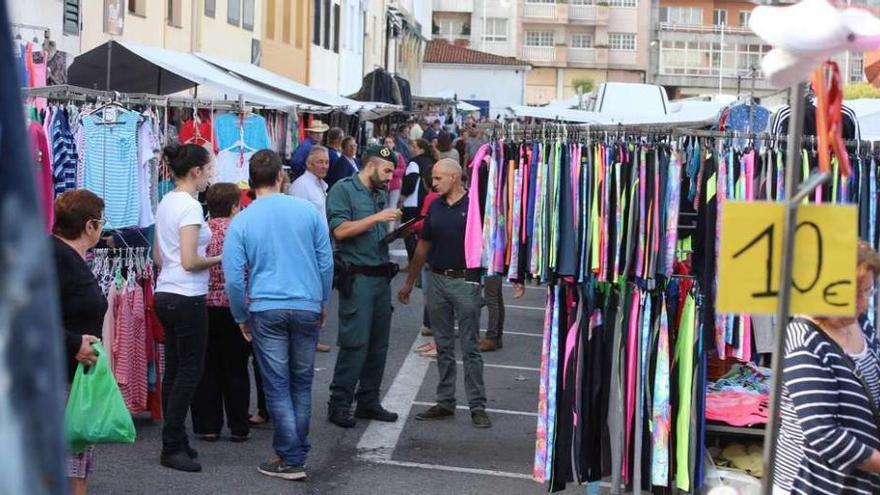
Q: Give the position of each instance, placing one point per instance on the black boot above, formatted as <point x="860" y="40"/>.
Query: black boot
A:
<point x="342" y="418"/>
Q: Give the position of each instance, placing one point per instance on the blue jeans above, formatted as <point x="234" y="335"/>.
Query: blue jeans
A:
<point x="284" y="345"/>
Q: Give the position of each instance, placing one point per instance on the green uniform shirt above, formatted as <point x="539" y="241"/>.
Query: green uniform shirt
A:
<point x="349" y="200"/>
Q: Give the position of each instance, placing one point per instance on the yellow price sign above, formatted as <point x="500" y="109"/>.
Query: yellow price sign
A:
<point x="750" y="261"/>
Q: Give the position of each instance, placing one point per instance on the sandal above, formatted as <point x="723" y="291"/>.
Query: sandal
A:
<point x="424" y="347"/>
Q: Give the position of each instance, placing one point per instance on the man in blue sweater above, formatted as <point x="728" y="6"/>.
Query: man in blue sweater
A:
<point x="278" y="264"/>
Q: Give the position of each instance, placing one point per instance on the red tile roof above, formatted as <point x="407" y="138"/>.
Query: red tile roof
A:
<point x="442" y="52"/>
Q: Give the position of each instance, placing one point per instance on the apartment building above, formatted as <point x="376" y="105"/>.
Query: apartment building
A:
<point x="705" y="47"/>
<point x="580" y="43"/>
<point x="226" y="28"/>
<point x="286" y="41"/>
<point x="489" y="26"/>
<point x="40" y="19"/>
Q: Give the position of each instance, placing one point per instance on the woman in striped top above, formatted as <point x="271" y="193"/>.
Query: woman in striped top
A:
<point x="829" y="440"/>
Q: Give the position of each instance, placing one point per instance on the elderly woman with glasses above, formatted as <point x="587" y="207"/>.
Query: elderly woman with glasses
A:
<point x="79" y="220"/>
<point x="829" y="441"/>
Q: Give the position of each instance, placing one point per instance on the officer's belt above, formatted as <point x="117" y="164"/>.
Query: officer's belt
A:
<point x="371" y="271"/>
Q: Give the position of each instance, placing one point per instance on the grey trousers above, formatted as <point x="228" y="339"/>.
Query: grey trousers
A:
<point x="451" y="300"/>
<point x="495" y="304"/>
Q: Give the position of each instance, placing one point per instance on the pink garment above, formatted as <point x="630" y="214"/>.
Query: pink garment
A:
<point x="109" y="329"/>
<point x="217" y="296"/>
<point x="473" y="236"/>
<point x="397" y="178"/>
<point x="43" y="172"/>
<point x="737" y="408"/>
<point x="37" y="72"/>
<point x="130" y="353"/>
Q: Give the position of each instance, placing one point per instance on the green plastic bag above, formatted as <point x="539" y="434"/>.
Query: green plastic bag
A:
<point x="96" y="412"/>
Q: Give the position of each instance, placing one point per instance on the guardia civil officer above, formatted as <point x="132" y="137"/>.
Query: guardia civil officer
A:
<point x="356" y="210"/>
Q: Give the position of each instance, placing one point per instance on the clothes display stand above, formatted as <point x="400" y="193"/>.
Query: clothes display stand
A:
<point x="621" y="223"/>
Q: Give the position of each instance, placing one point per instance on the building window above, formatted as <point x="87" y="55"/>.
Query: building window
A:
<point x="622" y="41"/>
<point x="336" y="28"/>
<point x="71" y="17"/>
<point x="450" y="28"/>
<point x="303" y="35"/>
<point x="496" y="29"/>
<point x="744" y="16"/>
<point x="316" y="37"/>
<point x="233" y="12"/>
<point x="539" y="38"/>
<point x="623" y="3"/>
<point x="270" y="19"/>
<point x="247" y="15"/>
<point x="697" y="58"/>
<point x="175" y="13"/>
<point x="540" y="1"/>
<point x="326" y="24"/>
<point x="719" y="17"/>
<point x="581" y="40"/>
<point x="286" y="24"/>
<point x="582" y="2"/>
<point x="856" y="67"/>
<point x="682" y="16"/>
<point x="137" y="7"/>
<point x="210" y="8"/>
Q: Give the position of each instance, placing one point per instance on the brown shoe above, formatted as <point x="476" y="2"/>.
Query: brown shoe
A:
<point x="487" y="345"/>
<point x="322" y="347"/>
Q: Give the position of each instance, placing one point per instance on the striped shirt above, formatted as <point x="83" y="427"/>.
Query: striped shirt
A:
<point x="828" y="426"/>
<point x="110" y="168"/>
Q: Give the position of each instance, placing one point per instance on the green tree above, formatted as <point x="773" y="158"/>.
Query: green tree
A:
<point x="584" y="84"/>
<point x="860" y="90"/>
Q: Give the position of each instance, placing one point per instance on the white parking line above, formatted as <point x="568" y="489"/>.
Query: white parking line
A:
<point x="454" y="469"/>
<point x="533" y="308"/>
<point x="498" y="411"/>
<point x="525" y="334"/>
<point x="502" y="366"/>
<point x="379" y="439"/>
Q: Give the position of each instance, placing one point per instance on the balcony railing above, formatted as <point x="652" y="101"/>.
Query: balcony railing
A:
<point x="540" y="10"/>
<point x="666" y="26"/>
<point x="588" y="13"/>
<point x="582" y="55"/>
<point x="539" y="53"/>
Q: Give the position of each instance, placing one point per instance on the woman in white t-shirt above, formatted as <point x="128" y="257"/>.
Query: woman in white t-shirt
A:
<point x="181" y="239"/>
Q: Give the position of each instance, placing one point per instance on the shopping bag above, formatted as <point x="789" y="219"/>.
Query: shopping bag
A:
<point x="96" y="412"/>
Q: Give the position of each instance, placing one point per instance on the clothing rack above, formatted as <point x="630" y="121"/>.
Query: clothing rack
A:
<point x="68" y="92"/>
<point x="558" y="129"/>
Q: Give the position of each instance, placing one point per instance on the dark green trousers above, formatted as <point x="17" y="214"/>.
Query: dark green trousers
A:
<point x="364" y="328"/>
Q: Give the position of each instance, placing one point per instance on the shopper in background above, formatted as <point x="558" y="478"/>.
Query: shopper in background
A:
<point x="417" y="130"/>
<point x="225" y="382"/>
<point x="445" y="149"/>
<point x="346" y="165"/>
<point x="310" y="186"/>
<point x="315" y="137"/>
<point x="828" y="440"/>
<point x="180" y="253"/>
<point x="278" y="264"/>
<point x="396" y="184"/>
<point x="334" y="143"/>
<point x="79" y="220"/>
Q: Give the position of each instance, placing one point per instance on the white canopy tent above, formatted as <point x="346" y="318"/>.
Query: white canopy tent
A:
<point x="365" y="109"/>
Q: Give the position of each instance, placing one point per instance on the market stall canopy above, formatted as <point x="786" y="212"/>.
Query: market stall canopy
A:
<point x="133" y="68"/>
<point x="367" y="110"/>
<point x="685" y="114"/>
<point x="447" y="96"/>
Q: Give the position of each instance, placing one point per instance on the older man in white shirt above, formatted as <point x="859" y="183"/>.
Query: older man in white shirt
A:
<point x="310" y="186"/>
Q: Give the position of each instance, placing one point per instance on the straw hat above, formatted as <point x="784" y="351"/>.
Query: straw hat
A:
<point x="318" y="126"/>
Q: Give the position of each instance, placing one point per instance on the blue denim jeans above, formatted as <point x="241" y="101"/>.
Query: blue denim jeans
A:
<point x="284" y="345"/>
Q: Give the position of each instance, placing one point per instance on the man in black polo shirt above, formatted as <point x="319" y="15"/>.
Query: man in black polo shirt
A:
<point x="450" y="295"/>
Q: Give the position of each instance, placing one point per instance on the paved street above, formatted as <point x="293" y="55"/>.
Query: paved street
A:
<point x="449" y="457"/>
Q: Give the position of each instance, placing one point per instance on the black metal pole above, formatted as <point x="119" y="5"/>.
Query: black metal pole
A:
<point x="109" y="63"/>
